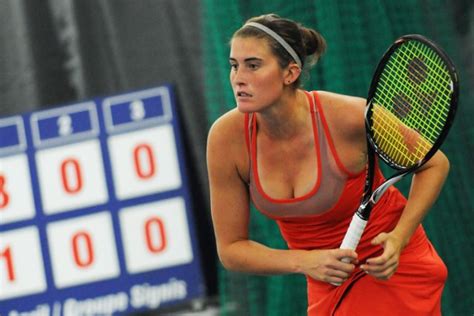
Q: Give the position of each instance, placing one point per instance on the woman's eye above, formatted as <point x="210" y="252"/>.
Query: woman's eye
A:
<point x="253" y="66"/>
<point x="233" y="66"/>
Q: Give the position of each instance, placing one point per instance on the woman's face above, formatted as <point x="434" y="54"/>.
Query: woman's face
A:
<point x="255" y="75"/>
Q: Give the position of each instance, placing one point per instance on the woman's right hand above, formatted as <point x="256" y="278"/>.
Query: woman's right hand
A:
<point x="327" y="265"/>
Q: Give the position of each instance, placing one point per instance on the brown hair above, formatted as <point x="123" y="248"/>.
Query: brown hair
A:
<point x="308" y="44"/>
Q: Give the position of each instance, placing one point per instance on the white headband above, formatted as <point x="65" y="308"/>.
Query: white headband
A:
<point x="279" y="39"/>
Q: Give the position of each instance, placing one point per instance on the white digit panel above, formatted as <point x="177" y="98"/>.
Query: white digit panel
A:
<point x="21" y="263"/>
<point x="155" y="235"/>
<point x="16" y="200"/>
<point x="82" y="250"/>
<point x="144" y="162"/>
<point x="71" y="177"/>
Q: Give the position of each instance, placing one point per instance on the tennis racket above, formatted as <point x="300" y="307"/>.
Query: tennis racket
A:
<point x="410" y="108"/>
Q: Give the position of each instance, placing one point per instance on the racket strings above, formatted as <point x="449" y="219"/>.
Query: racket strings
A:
<point x="438" y="79"/>
<point x="431" y="127"/>
<point x="398" y="140"/>
<point x="411" y="103"/>
<point x="402" y="144"/>
<point x="411" y="90"/>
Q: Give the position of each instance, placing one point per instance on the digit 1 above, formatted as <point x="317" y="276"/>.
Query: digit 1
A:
<point x="88" y="257"/>
<point x="144" y="161"/>
<point x="155" y="226"/>
<point x="8" y="257"/>
<point x="4" y="197"/>
<point x="71" y="167"/>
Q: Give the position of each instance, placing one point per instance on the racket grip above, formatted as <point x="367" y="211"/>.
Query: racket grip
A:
<point x="352" y="237"/>
<point x="353" y="234"/>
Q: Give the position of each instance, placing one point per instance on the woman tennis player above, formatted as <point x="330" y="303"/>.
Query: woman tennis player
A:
<point x="300" y="157"/>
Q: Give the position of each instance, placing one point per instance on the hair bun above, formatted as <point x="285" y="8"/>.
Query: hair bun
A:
<point x="314" y="43"/>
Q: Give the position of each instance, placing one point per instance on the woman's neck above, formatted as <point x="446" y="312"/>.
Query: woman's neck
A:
<point x="286" y="119"/>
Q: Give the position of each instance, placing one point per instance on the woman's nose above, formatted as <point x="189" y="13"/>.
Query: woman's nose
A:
<point x="238" y="77"/>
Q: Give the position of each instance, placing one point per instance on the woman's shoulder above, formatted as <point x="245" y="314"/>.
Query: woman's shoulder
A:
<point x="228" y="130"/>
<point x="343" y="112"/>
<point x="340" y="104"/>
<point x="226" y="145"/>
<point x="340" y="101"/>
<point x="228" y="123"/>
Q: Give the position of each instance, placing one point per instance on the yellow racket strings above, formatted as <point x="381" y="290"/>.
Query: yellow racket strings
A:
<point x="411" y="103"/>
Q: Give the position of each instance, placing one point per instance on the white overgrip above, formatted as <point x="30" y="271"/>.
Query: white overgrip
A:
<point x="353" y="234"/>
<point x="352" y="237"/>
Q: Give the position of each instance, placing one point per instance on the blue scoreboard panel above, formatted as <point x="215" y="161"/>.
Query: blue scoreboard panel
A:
<point x="95" y="214"/>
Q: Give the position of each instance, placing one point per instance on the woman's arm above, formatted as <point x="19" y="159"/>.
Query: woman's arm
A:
<point x="230" y="216"/>
<point x="346" y="122"/>
<point x="425" y="188"/>
<point x="230" y="205"/>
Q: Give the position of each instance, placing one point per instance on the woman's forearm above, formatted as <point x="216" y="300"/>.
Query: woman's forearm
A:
<point x="425" y="188"/>
<point x="323" y="265"/>
<point x="252" y="257"/>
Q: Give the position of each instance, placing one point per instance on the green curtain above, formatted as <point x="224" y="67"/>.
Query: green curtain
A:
<point x="357" y="33"/>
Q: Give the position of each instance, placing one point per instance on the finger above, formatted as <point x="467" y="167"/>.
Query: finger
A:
<point x="387" y="255"/>
<point x="381" y="260"/>
<point x="346" y="253"/>
<point x="380" y="268"/>
<point x="339" y="274"/>
<point x="375" y="268"/>
<point x="335" y="280"/>
<point x="379" y="239"/>
<point x="385" y="274"/>
<point x="336" y="277"/>
<point x="378" y="264"/>
<point x="342" y="266"/>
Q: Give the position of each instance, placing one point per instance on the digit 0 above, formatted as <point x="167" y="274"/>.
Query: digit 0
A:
<point x="7" y="255"/>
<point x="82" y="249"/>
<point x="155" y="235"/>
<point x="4" y="197"/>
<point x="71" y="176"/>
<point x="144" y="161"/>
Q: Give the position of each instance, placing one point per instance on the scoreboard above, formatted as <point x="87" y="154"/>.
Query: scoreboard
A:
<point x="95" y="213"/>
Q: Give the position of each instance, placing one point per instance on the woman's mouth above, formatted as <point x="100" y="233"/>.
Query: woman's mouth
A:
<point x="243" y="94"/>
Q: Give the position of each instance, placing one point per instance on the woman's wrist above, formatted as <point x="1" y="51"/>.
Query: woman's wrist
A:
<point x="403" y="236"/>
<point x="297" y="261"/>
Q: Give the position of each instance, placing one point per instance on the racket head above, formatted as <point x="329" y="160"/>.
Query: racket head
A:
<point x="411" y="102"/>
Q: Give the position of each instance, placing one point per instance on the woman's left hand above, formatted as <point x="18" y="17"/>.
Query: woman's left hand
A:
<point x="385" y="265"/>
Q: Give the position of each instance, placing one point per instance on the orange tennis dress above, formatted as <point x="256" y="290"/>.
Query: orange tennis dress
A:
<point x="319" y="220"/>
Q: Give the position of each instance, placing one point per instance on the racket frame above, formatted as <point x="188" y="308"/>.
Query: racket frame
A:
<point x="373" y="197"/>
<point x="369" y="198"/>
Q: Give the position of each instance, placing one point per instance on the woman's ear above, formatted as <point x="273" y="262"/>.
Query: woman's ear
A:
<point x="292" y="73"/>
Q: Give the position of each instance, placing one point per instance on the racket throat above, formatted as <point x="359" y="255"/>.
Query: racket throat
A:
<point x="379" y="192"/>
<point x="363" y="212"/>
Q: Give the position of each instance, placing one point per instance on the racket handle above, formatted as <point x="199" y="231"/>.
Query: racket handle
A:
<point x="353" y="234"/>
<point x="352" y="237"/>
